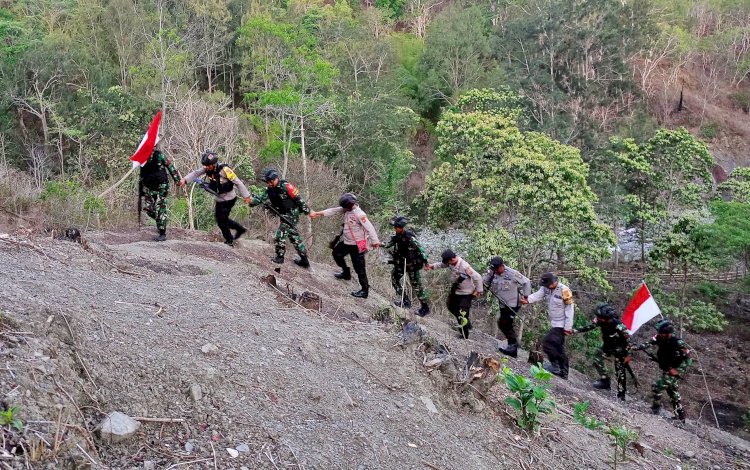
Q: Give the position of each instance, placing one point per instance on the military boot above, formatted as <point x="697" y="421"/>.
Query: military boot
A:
<point x="511" y="350"/>
<point x="239" y="232"/>
<point x="303" y="262"/>
<point x="162" y="236"/>
<point x="680" y="415"/>
<point x="655" y="409"/>
<point x="602" y="384"/>
<point x="345" y="275"/>
<point x="278" y="259"/>
<point x="553" y="369"/>
<point x="424" y="310"/>
<point x="361" y="294"/>
<point x="405" y="304"/>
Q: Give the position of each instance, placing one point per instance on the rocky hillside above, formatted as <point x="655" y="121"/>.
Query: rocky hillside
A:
<point x="214" y="367"/>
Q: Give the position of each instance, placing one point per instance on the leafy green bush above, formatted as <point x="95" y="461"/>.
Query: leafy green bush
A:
<point x="710" y="130"/>
<point x="711" y="290"/>
<point x="702" y="316"/>
<point x="531" y="398"/>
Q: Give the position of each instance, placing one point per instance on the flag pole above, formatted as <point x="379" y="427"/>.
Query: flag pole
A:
<point x="111" y="188"/>
<point x="643" y="281"/>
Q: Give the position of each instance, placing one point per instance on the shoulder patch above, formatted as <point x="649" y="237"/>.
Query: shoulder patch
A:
<point x="229" y="173"/>
<point x="567" y="296"/>
<point x="363" y="218"/>
<point x="292" y="190"/>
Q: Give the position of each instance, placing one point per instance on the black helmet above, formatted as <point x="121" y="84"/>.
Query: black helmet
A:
<point x="664" y="326"/>
<point x="605" y="310"/>
<point x="548" y="279"/>
<point x="209" y="158"/>
<point x="496" y="262"/>
<point x="270" y="174"/>
<point x="399" y="221"/>
<point x="447" y="255"/>
<point x="347" y="200"/>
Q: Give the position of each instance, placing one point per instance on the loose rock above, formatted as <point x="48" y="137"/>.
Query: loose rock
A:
<point x="243" y="448"/>
<point x="118" y="427"/>
<point x="209" y="348"/>
<point x="195" y="392"/>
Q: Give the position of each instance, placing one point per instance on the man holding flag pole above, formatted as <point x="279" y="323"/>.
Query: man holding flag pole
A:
<point x="672" y="355"/>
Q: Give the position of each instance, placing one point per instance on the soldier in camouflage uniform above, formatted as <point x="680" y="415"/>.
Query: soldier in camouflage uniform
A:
<point x="615" y="343"/>
<point x="285" y="198"/>
<point x="409" y="256"/>
<point x="154" y="187"/>
<point x="673" y="357"/>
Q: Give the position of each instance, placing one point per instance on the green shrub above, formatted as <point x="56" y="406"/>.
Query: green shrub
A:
<point x="710" y="130"/>
<point x="9" y="417"/>
<point x="741" y="99"/>
<point x="580" y="415"/>
<point x="531" y="398"/>
<point x="702" y="316"/>
<point x="711" y="290"/>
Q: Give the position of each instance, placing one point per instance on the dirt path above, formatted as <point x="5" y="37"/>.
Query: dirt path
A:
<point x="291" y="388"/>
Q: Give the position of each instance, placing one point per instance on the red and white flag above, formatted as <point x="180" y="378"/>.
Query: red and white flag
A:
<point x="642" y="308"/>
<point x="150" y="139"/>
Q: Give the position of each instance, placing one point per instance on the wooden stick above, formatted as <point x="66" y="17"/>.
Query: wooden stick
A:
<point x="428" y="464"/>
<point x="87" y="455"/>
<point x="125" y="176"/>
<point x="187" y="463"/>
<point x="389" y="387"/>
<point x="158" y="420"/>
<point x="75" y="350"/>
<point x="214" y="452"/>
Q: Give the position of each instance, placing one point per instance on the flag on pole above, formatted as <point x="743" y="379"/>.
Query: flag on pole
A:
<point x="150" y="139"/>
<point x="642" y="308"/>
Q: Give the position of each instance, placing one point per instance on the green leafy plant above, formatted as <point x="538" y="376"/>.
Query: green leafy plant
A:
<point x="668" y="451"/>
<point x="622" y="436"/>
<point x="580" y="414"/>
<point x="9" y="418"/>
<point x="746" y="421"/>
<point x="531" y="398"/>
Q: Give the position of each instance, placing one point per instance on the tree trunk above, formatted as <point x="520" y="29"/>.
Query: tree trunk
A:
<point x="191" y="223"/>
<point x="308" y="222"/>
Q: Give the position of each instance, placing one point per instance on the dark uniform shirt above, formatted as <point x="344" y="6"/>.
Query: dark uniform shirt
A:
<point x="404" y="246"/>
<point x="615" y="337"/>
<point x="154" y="172"/>
<point x="673" y="353"/>
<point x="284" y="197"/>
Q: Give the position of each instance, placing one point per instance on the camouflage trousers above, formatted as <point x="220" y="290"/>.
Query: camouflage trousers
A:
<point x="415" y="279"/>
<point x="670" y="383"/>
<point x="601" y="368"/>
<point x="156" y="204"/>
<point x="292" y="232"/>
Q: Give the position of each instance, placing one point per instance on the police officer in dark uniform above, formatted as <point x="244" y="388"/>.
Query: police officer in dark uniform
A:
<point x="285" y="198"/>
<point x="154" y="187"/>
<point x="408" y="255"/>
<point x="673" y="357"/>
<point x="615" y="343"/>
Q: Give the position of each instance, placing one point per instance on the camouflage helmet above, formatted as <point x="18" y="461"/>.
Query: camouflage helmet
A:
<point x="664" y="327"/>
<point x="270" y="174"/>
<point x="399" y="221"/>
<point x="605" y="310"/>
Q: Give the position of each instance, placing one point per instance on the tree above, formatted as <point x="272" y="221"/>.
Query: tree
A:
<point x="728" y="236"/>
<point x="209" y="35"/>
<point x="680" y="251"/>
<point x="737" y="186"/>
<point x="667" y="175"/>
<point x="457" y="53"/>
<point x="496" y="177"/>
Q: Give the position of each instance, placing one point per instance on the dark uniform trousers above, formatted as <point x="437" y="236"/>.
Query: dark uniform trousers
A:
<point x="459" y="305"/>
<point x="221" y="213"/>
<point x="554" y="347"/>
<point x="505" y="323"/>
<point x="341" y="250"/>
